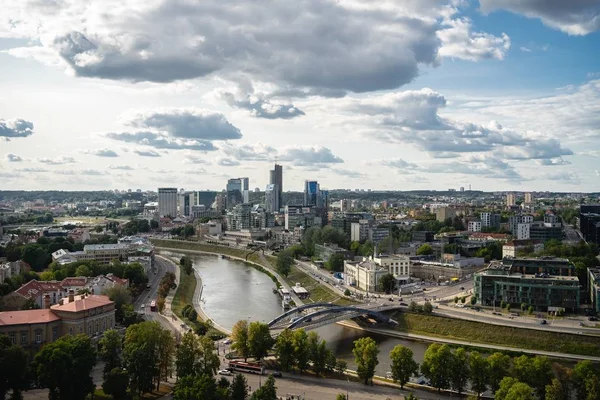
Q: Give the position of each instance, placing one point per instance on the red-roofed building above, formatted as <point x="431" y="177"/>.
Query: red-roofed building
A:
<point x="33" y="290"/>
<point x="88" y="314"/>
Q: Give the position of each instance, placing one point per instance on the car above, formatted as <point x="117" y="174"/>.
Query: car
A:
<point x="227" y="341"/>
<point x="404" y="304"/>
<point x="390" y="299"/>
<point x="462" y="288"/>
<point x="148" y="286"/>
<point x="143" y="306"/>
<point x="543" y="322"/>
<point x="224" y="372"/>
<point x="496" y="313"/>
<point x="593" y="319"/>
<point x="277" y="374"/>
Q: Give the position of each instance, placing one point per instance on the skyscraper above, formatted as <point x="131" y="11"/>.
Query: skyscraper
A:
<point x="234" y="193"/>
<point x="245" y="190"/>
<point x="186" y="200"/>
<point x="272" y="198"/>
<point x="311" y="193"/>
<point x="276" y="178"/>
<point x="167" y="202"/>
<point x="510" y="199"/>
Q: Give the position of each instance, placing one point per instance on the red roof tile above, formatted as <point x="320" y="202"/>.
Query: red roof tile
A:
<point x="27" y="317"/>
<point x="83" y="302"/>
<point x="34" y="288"/>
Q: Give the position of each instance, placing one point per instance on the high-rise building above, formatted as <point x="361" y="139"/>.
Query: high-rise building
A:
<point x="205" y="198"/>
<point x="234" y="194"/>
<point x="276" y="178"/>
<point x="490" y="220"/>
<point x="311" y="193"/>
<point x="186" y="200"/>
<point x="167" y="202"/>
<point x="529" y="197"/>
<point x="272" y="198"/>
<point x="511" y="199"/>
<point x="245" y="190"/>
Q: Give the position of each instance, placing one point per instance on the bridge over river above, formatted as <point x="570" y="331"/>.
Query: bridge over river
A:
<point x="315" y="315"/>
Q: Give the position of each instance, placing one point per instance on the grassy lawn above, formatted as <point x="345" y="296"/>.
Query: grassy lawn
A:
<point x="184" y="293"/>
<point x="162" y="391"/>
<point x="478" y="332"/>
<point x="196" y="246"/>
<point x="86" y="220"/>
<point x="318" y="292"/>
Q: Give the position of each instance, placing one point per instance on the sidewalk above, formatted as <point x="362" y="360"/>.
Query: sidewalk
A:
<point x="167" y="313"/>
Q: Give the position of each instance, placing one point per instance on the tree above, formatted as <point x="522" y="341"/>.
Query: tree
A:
<point x="536" y="372"/>
<point x="403" y="365"/>
<point x="83" y="270"/>
<point x="301" y="349"/>
<point x="341" y="396"/>
<point x="239" y="388"/>
<point x="196" y="387"/>
<point x="340" y="366"/>
<point x="122" y="297"/>
<point x="284" y="349"/>
<point x="592" y="387"/>
<point x="13" y="368"/>
<point x="111" y="349"/>
<point x="335" y="263"/>
<point x="115" y="383"/>
<point x="196" y="356"/>
<point x="365" y="355"/>
<point x="387" y="283"/>
<point x="513" y="389"/>
<point x="319" y="353"/>
<point x="425" y="250"/>
<point x="555" y="391"/>
<point x="268" y="391"/>
<point x="239" y="335"/>
<point x="460" y="370"/>
<point x="64" y="367"/>
<point x="36" y="256"/>
<point x="186" y="265"/>
<point x="479" y="373"/>
<point x="285" y="260"/>
<point x="437" y="365"/>
<point x="260" y="340"/>
<point x="427" y="307"/>
<point x="498" y="368"/>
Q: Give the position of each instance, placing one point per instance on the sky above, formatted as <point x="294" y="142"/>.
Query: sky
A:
<point x="357" y="94"/>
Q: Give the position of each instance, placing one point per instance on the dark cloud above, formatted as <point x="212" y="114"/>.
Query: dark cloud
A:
<point x="16" y="128"/>
<point x="102" y="153"/>
<point x="146" y="153"/>
<point x="57" y="161"/>
<point x="13" y="158"/>
<point x="575" y="17"/>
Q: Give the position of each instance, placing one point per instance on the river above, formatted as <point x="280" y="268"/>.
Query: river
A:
<point x="234" y="291"/>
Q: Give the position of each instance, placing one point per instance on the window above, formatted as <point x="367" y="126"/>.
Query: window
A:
<point x="12" y="337"/>
<point x="38" y="336"/>
<point x="23" y="337"/>
<point x="70" y="330"/>
<point x="80" y="328"/>
<point x="55" y="333"/>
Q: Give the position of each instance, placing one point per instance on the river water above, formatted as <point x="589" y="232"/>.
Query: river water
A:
<point x="234" y="291"/>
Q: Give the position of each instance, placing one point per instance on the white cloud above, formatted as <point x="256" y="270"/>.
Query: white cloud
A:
<point x="459" y="41"/>
<point x="57" y="161"/>
<point x="15" y="128"/>
<point x="309" y="156"/>
<point x="146" y="153"/>
<point x="102" y="153"/>
<point x="121" y="167"/>
<point x="13" y="158"/>
<point x="525" y="49"/>
<point x="575" y="17"/>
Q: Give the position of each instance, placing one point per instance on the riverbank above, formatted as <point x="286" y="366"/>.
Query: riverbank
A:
<point x="485" y="346"/>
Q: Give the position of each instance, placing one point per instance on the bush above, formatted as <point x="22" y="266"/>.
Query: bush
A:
<point x="192" y="315"/>
<point x="473" y="300"/>
<point x="347" y="292"/>
<point x="530" y="310"/>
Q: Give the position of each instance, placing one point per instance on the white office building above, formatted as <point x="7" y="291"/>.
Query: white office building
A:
<point x="167" y="202"/>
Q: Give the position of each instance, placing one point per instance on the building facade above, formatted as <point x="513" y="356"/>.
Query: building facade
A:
<point x="490" y="220"/>
<point x="276" y="178"/>
<point x="272" y="198"/>
<point x="167" y="202"/>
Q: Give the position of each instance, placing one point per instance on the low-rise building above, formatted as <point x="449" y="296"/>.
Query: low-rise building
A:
<point x="474" y="226"/>
<point x="364" y="275"/>
<point x="325" y="251"/>
<point x="512" y="248"/>
<point x="594" y="287"/>
<point x="12" y="268"/>
<point x="397" y="265"/>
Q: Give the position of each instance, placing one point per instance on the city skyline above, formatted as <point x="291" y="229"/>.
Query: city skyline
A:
<point x="496" y="95"/>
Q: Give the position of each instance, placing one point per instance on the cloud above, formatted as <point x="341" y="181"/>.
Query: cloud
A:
<point x="15" y="128"/>
<point x="459" y="41"/>
<point x="525" y="49"/>
<point x="146" y="153"/>
<point x="258" y="104"/>
<point x="29" y="170"/>
<point x="249" y="152"/>
<point x="348" y="173"/>
<point x="316" y="44"/>
<point x="309" y="156"/>
<point x="193" y="159"/>
<point x="57" y="161"/>
<point x="575" y="17"/>
<point x="553" y="162"/>
<point x="13" y="158"/>
<point x="102" y="153"/>
<point x="227" y="162"/>
<point x="178" y="129"/>
<point x="91" y="172"/>
<point x="121" y="167"/>
<point x="412" y="117"/>
<point x="567" y="177"/>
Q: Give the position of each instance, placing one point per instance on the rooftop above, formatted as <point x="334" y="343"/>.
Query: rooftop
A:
<point x="82" y="302"/>
<point x="27" y="317"/>
<point x="92" y="247"/>
<point x="33" y="288"/>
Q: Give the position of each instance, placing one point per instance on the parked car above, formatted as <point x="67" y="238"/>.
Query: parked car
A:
<point x="227" y="341"/>
<point x="543" y="322"/>
<point x="224" y="372"/>
<point x="277" y="374"/>
<point x="593" y="319"/>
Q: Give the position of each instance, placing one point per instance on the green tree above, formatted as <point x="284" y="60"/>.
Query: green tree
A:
<point x="122" y="298"/>
<point x="301" y="349"/>
<point x="115" y="383"/>
<point x="196" y="387"/>
<point x="83" y="270"/>
<point x="592" y="387"/>
<point x="513" y="389"/>
<point x="498" y="368"/>
<point x="260" y="340"/>
<point x="335" y="263"/>
<point x="268" y="391"/>
<point x="319" y="353"/>
<point x="64" y="367"/>
<point x="555" y="391"/>
<point x="365" y="355"/>
<point x="425" y="250"/>
<point x="437" y="365"/>
<point x="111" y="349"/>
<point x="341" y="396"/>
<point x="284" y="263"/>
<point x="239" y="388"/>
<point x="479" y="373"/>
<point x="186" y="265"/>
<point x="36" y="256"/>
<point x="387" y="283"/>
<point x="284" y="349"/>
<point x="13" y="368"/>
<point x="340" y="366"/>
<point x="427" y="307"/>
<point x="403" y="365"/>
<point x="460" y="370"/>
<point x="581" y="372"/>
<point x="536" y="372"/>
<point x="239" y="335"/>
<point x="196" y="356"/>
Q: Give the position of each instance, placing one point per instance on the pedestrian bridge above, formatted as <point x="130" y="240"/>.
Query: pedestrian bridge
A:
<point x="315" y="315"/>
